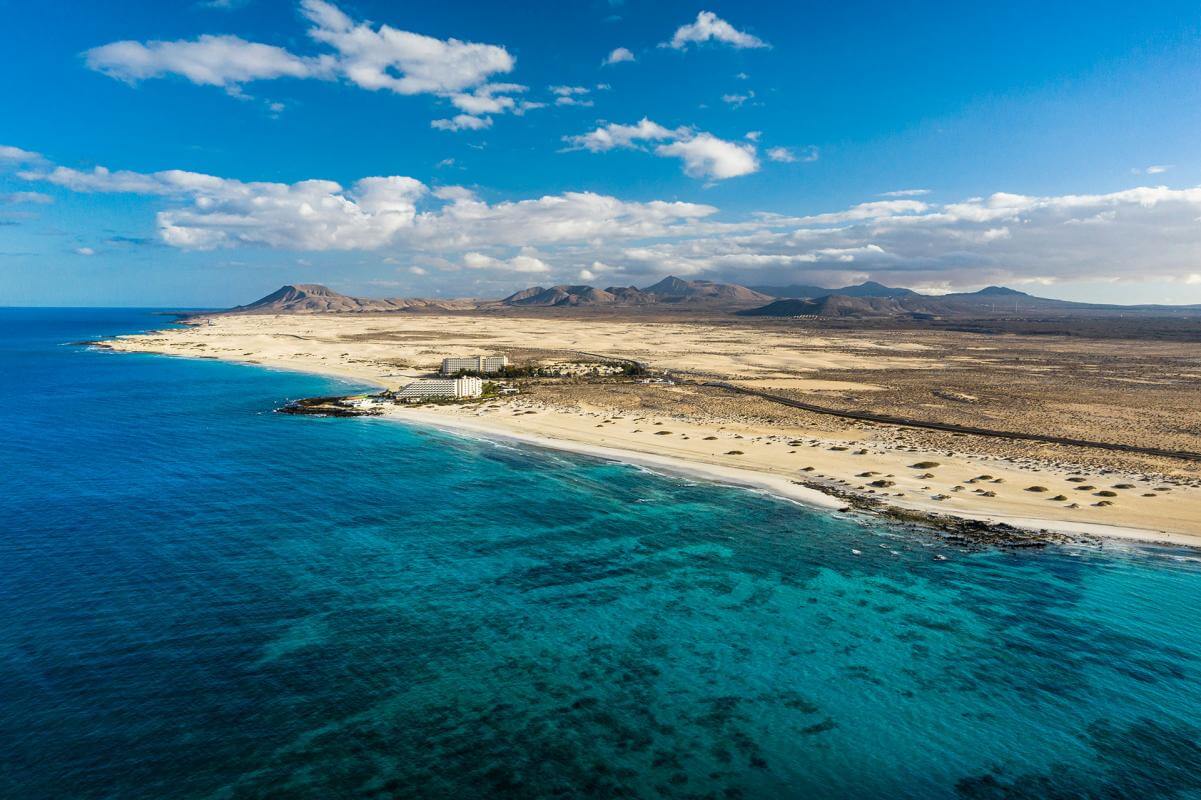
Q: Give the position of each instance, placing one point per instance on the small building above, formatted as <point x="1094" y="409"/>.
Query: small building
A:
<point x="482" y="364"/>
<point x="441" y="388"/>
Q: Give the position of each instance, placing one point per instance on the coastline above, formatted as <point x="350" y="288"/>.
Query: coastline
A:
<point x="775" y="485"/>
<point x="527" y="420"/>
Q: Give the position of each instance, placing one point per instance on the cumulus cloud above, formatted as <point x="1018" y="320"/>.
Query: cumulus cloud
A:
<point x="402" y="61"/>
<point x="737" y="100"/>
<point x="209" y="60"/>
<point x="706" y="156"/>
<point x="15" y="155"/>
<point x="462" y="122"/>
<point x="1148" y="233"/>
<point x="519" y="263"/>
<point x="206" y="212"/>
<point x="708" y="27"/>
<point x="571" y="95"/>
<point x="1143" y="233"/>
<point x="787" y="155"/>
<point x="618" y="55"/>
<point x="371" y="57"/>
<point x="490" y="98"/>
<point x="36" y="198"/>
<point x="703" y="154"/>
<point x="217" y="212"/>
<point x="608" y="137"/>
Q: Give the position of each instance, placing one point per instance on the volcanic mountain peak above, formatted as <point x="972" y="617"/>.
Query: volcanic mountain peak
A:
<point x="313" y="298"/>
<point x="831" y="305"/>
<point x="999" y="291"/>
<point x="668" y="290"/>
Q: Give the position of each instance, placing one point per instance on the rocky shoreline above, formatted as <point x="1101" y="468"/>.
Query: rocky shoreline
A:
<point x="972" y="533"/>
<point x="326" y="407"/>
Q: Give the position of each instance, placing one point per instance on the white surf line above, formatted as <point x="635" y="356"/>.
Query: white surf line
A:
<point x="775" y="485"/>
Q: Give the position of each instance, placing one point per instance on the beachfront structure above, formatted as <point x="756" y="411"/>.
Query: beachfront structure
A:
<point x="441" y="388"/>
<point x="481" y="364"/>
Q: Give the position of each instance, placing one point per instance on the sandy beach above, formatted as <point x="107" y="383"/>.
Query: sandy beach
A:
<point x="699" y="432"/>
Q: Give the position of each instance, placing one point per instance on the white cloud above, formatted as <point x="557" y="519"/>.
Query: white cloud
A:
<point x="37" y="198"/>
<point x="571" y="95"/>
<point x="371" y="57"/>
<point x="618" y="55"/>
<point x="706" y="156"/>
<point x="1143" y="233"/>
<point x="206" y="212"/>
<point x="571" y="217"/>
<point x="462" y="122"/>
<point x="210" y="61"/>
<point x="84" y="251"/>
<point x="16" y="155"/>
<point x="787" y="155"/>
<point x="737" y="100"/>
<point x="402" y="61"/>
<point x="710" y="27"/>
<point x="1148" y="233"/>
<point x="906" y="193"/>
<point x="519" y="263"/>
<point x="490" y="98"/>
<point x="1155" y="169"/>
<point x="528" y="264"/>
<point x="610" y="136"/>
<point x="217" y="212"/>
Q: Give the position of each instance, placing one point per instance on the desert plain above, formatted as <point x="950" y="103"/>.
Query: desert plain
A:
<point x="1142" y="393"/>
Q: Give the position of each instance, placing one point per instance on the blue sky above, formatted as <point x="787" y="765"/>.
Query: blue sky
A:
<point x="945" y="146"/>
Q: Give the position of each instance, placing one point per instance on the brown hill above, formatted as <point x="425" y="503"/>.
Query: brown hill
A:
<point x="832" y="305"/>
<point x="673" y="290"/>
<point x="668" y="290"/>
<point x="313" y="298"/>
<point x="562" y="295"/>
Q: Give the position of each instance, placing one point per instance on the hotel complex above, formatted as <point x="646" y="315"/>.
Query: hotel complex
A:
<point x="456" y="388"/>
<point x="481" y="364"/>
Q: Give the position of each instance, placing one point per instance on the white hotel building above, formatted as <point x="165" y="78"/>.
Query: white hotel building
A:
<point x="482" y="364"/>
<point x="439" y="387"/>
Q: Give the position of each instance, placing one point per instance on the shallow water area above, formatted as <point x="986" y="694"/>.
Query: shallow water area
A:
<point x="202" y="598"/>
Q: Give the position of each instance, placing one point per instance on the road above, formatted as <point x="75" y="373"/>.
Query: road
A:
<point x="885" y="419"/>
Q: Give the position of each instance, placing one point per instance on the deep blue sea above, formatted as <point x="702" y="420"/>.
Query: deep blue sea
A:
<point x="200" y="598"/>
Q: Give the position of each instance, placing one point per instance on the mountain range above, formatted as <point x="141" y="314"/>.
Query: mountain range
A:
<point x="313" y="298"/>
<point x="669" y="290"/>
<point x="864" y="300"/>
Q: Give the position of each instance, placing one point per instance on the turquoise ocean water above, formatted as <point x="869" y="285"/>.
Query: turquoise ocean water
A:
<point x="200" y="598"/>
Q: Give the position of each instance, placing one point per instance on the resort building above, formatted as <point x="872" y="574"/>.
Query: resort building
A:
<point x="481" y="364"/>
<point x="456" y="388"/>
